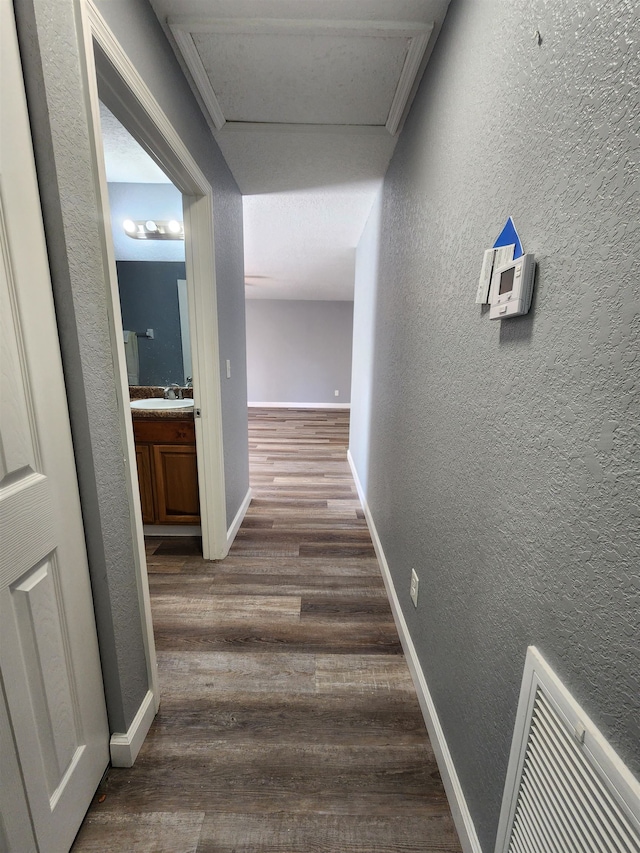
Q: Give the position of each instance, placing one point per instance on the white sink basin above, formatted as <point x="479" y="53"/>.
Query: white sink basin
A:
<point x="160" y="403"/>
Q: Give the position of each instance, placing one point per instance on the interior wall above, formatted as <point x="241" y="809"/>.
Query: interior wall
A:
<point x="503" y="455"/>
<point x="299" y="351"/>
<point x="56" y="82"/>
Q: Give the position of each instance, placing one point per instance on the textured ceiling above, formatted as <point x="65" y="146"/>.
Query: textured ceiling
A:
<point x="126" y="161"/>
<point x="305" y="99"/>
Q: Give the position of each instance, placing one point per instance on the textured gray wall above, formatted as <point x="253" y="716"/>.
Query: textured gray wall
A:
<point x="504" y="457"/>
<point x="298" y="351"/>
<point x="227" y="209"/>
<point x="56" y="90"/>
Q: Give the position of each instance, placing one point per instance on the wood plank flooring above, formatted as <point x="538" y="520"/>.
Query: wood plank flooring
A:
<point x="289" y="722"/>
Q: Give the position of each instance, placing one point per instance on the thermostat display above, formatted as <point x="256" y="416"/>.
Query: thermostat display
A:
<point x="512" y="288"/>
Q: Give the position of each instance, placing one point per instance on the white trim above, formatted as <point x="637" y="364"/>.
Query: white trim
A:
<point x="186" y="167"/>
<point x="281" y="127"/>
<point x="203" y="320"/>
<point x="455" y="794"/>
<point x="237" y="521"/>
<point x="125" y="748"/>
<point x="165" y="530"/>
<point x="299" y="405"/>
<point x="297" y="26"/>
<point x="185" y="42"/>
<point x="407" y="81"/>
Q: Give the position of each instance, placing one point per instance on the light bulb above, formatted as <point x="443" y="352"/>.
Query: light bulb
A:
<point x="174" y="226"/>
<point x="129" y="226"/>
<point x="151" y="226"/>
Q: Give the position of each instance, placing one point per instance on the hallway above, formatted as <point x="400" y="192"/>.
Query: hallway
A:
<point x="288" y="719"/>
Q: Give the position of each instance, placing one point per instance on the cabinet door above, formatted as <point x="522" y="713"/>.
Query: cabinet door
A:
<point x="143" y="459"/>
<point x="176" y="475"/>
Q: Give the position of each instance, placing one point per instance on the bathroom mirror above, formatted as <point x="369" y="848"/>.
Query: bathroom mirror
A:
<point x="153" y="301"/>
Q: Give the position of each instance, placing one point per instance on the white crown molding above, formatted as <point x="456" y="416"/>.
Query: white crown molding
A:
<point x="190" y="54"/>
<point x="183" y="28"/>
<point x="291" y="26"/>
<point x="410" y="70"/>
<point x="329" y="129"/>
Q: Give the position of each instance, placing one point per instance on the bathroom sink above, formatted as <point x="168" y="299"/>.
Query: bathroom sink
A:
<point x="160" y="403"/>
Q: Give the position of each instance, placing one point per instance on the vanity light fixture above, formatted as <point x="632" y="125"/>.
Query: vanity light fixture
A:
<point x="154" y="229"/>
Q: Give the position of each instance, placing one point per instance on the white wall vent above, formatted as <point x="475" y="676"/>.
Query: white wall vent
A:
<point x="566" y="790"/>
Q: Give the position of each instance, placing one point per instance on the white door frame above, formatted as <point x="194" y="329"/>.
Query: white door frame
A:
<point x="121" y="85"/>
<point x="146" y="121"/>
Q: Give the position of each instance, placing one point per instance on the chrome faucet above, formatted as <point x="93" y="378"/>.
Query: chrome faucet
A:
<point x="173" y="392"/>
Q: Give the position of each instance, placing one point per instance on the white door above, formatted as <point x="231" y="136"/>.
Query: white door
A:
<point x="55" y="736"/>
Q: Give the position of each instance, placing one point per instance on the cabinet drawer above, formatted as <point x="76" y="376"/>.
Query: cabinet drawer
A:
<point x="169" y="431"/>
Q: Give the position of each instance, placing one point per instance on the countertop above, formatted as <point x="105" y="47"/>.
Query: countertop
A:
<point x="143" y="392"/>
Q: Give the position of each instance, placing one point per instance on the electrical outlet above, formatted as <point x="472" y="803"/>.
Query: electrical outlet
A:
<point x="336" y="393"/>
<point x="413" y="590"/>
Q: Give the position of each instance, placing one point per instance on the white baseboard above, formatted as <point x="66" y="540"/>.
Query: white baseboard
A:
<point x="172" y="530"/>
<point x="237" y="521"/>
<point x="124" y="748"/>
<point x="299" y="405"/>
<point x="455" y="794"/>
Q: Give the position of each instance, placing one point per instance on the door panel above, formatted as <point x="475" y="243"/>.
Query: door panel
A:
<point x="49" y="664"/>
<point x="145" y="480"/>
<point x="39" y="617"/>
<point x="175" y="468"/>
<point x="16" y="833"/>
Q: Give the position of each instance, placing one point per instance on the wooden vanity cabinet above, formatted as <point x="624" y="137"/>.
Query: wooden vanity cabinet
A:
<point x="145" y="480"/>
<point x="167" y="470"/>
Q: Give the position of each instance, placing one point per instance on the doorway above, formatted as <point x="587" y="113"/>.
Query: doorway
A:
<point x="146" y="217"/>
<point x="118" y="85"/>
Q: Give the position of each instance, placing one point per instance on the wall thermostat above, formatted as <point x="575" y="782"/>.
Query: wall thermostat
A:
<point x="512" y="288"/>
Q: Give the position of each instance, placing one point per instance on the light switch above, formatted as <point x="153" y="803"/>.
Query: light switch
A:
<point x="228" y="368"/>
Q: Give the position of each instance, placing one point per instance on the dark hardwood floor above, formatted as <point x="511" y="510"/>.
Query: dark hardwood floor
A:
<point x="289" y="722"/>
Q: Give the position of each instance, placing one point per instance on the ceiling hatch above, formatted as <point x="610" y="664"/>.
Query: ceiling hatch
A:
<point x="294" y="72"/>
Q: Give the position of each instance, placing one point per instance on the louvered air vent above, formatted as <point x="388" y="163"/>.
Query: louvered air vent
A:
<point x="567" y="791"/>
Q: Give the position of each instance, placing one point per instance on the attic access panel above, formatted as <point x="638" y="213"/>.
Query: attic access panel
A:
<point x="303" y="72"/>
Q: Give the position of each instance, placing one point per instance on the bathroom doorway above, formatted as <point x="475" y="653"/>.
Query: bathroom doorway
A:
<point x="121" y="90"/>
<point x="147" y="232"/>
